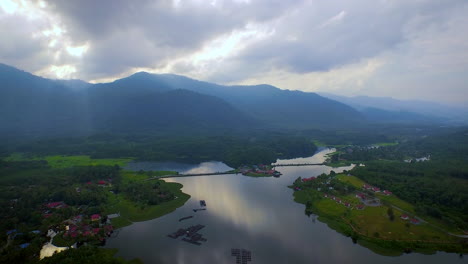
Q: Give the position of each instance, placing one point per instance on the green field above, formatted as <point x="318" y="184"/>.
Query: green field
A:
<point x="71" y="161"/>
<point x="386" y="144"/>
<point x="128" y="176"/>
<point x="372" y="226"/>
<point x="352" y="180"/>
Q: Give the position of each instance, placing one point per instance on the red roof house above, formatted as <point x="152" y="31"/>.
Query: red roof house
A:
<point x="95" y="217"/>
<point x="56" y="205"/>
<point x="361" y="195"/>
<point x="102" y="183"/>
<point x="365" y="186"/>
<point x="308" y="179"/>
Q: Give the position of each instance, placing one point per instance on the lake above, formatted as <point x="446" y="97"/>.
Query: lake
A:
<point x="257" y="214"/>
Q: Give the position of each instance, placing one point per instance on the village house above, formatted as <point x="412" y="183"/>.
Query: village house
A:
<point x="361" y="196"/>
<point x="95" y="217"/>
<point x="55" y="205"/>
<point x="387" y="192"/>
<point x="308" y="179"/>
<point x="404" y="217"/>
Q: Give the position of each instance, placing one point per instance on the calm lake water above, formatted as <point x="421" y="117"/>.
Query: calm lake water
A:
<point x="204" y="167"/>
<point x="257" y="214"/>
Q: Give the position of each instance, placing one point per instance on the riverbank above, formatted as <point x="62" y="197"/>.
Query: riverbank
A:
<point x="130" y="211"/>
<point x="381" y="227"/>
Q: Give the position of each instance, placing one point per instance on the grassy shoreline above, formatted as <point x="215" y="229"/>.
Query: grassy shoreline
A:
<point x="132" y="212"/>
<point x="372" y="228"/>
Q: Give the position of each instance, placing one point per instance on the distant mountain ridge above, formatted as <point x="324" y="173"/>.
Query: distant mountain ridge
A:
<point x="148" y="103"/>
<point x="33" y="106"/>
<point x="419" y="110"/>
<point x="271" y="105"/>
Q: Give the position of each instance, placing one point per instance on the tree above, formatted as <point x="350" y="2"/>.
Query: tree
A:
<point x="390" y="214"/>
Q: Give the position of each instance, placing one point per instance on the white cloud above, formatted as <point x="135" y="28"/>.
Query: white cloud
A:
<point x="397" y="48"/>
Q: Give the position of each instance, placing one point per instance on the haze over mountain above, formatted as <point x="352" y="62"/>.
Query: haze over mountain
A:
<point x="143" y="102"/>
<point x="36" y="106"/>
<point x="410" y="110"/>
<point x="271" y="105"/>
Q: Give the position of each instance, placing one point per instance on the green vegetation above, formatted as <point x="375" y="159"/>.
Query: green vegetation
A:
<point x="430" y="173"/>
<point x="130" y="176"/>
<point x="141" y="200"/>
<point x="75" y="201"/>
<point x="334" y="160"/>
<point x="352" y="180"/>
<point x="380" y="228"/>
<point x="386" y="144"/>
<point x="233" y="149"/>
<point x="70" y="161"/>
<point x="120" y="222"/>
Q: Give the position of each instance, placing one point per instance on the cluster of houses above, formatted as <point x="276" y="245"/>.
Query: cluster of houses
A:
<point x="92" y="228"/>
<point x="259" y="169"/>
<point x="309" y="179"/>
<point x="79" y="225"/>
<point x="339" y="201"/>
<point x="49" y="207"/>
<point x="376" y="189"/>
<point x="412" y="220"/>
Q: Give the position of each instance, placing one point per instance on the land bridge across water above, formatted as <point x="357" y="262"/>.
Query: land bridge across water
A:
<point x="297" y="164"/>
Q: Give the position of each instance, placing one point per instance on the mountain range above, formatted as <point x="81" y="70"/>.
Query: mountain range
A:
<point x="33" y="106"/>
<point x="389" y="109"/>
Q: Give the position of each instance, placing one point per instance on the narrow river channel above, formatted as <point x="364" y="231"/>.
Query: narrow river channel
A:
<point x="257" y="214"/>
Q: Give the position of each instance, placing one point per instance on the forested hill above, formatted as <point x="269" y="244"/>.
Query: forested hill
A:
<point x="32" y="106"/>
<point x="273" y="106"/>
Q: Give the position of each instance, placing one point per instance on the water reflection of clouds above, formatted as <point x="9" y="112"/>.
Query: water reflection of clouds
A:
<point x="254" y="213"/>
<point x="208" y="167"/>
<point x="319" y="157"/>
<point x="204" y="167"/>
<point x="226" y="202"/>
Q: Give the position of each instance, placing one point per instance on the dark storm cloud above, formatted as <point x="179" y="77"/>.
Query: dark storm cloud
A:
<point x="245" y="41"/>
<point x="126" y="34"/>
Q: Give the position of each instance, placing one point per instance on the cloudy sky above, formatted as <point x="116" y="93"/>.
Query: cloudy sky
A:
<point x="414" y="49"/>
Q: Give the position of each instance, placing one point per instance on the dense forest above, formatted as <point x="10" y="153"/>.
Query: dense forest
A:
<point x="233" y="149"/>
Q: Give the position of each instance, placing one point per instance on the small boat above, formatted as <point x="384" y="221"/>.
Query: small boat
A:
<point x="185" y="218"/>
